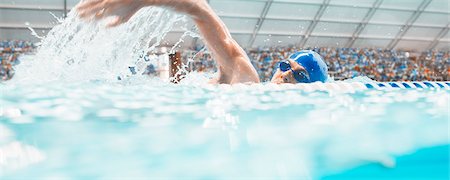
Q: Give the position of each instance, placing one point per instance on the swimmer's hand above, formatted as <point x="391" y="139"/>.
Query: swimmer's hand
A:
<point x="123" y="10"/>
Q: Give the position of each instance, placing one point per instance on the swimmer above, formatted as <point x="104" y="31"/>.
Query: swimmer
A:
<point x="233" y="63"/>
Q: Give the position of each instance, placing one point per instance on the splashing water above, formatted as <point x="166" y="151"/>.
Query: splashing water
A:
<point x="78" y="51"/>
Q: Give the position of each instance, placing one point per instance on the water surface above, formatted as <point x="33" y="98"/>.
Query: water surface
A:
<point x="150" y="128"/>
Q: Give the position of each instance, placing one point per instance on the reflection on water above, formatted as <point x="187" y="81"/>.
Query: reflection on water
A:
<point x="154" y="129"/>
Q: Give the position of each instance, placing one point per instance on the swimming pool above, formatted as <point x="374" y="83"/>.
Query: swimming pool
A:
<point x="150" y="128"/>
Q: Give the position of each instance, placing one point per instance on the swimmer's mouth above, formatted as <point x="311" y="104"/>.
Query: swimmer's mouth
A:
<point x="300" y="76"/>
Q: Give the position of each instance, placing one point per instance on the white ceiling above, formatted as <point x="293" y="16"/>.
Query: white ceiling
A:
<point x="404" y="24"/>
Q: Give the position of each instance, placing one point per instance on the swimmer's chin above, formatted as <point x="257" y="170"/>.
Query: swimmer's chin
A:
<point x="214" y="81"/>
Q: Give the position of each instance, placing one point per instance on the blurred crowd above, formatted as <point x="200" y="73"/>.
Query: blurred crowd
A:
<point x="386" y="65"/>
<point x="201" y="61"/>
<point x="9" y="53"/>
<point x="343" y="63"/>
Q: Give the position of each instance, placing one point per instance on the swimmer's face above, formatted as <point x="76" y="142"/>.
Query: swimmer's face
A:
<point x="281" y="77"/>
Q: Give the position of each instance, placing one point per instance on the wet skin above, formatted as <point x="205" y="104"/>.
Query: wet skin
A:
<point x="287" y="77"/>
<point x="233" y="63"/>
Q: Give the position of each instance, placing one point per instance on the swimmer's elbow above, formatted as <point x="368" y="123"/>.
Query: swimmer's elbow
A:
<point x="233" y="50"/>
<point x="230" y="47"/>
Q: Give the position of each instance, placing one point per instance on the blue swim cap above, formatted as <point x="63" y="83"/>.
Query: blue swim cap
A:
<point x="313" y="63"/>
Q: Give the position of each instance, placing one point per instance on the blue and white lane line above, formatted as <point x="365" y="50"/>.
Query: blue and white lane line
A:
<point x="408" y="85"/>
<point x="355" y="86"/>
<point x="342" y="86"/>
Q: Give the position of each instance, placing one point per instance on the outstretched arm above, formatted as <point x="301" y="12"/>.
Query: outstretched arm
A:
<point x="233" y="63"/>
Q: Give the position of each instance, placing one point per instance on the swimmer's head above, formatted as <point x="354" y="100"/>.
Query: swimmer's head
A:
<point x="301" y="67"/>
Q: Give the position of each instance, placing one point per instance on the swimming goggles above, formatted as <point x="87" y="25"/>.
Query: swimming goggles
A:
<point x="300" y="76"/>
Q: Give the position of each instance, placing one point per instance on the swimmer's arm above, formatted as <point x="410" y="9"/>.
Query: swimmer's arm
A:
<point x="233" y="63"/>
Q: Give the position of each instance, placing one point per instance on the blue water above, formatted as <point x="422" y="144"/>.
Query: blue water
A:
<point x="428" y="163"/>
<point x="150" y="128"/>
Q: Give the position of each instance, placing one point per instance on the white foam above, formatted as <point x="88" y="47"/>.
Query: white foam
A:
<point x="16" y="155"/>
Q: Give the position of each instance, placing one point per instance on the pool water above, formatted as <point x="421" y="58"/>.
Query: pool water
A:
<point x="150" y="128"/>
<point x="428" y="163"/>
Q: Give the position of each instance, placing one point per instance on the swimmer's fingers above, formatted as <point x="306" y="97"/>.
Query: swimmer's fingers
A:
<point x="109" y="10"/>
<point x="104" y="13"/>
<point x="100" y="15"/>
<point x="89" y="8"/>
<point x="118" y="21"/>
<point x="87" y="4"/>
<point x="97" y="9"/>
<point x="123" y="10"/>
<point x="91" y="11"/>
